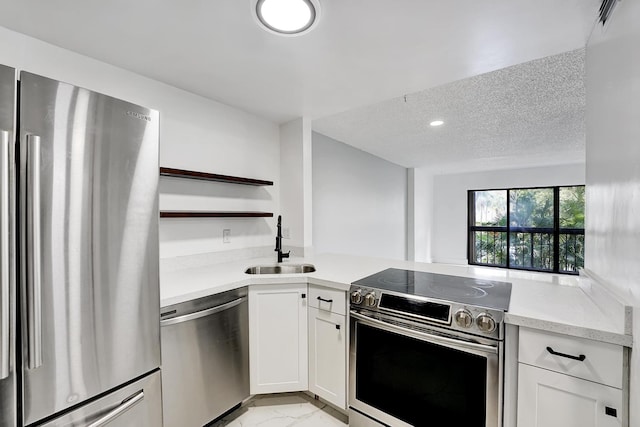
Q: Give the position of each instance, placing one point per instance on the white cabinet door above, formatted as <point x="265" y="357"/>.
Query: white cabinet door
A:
<point x="278" y="348"/>
<point x="328" y="356"/>
<point x="550" y="399"/>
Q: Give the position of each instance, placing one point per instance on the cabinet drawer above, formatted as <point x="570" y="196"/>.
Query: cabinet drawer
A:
<point x="328" y="299"/>
<point x="602" y="362"/>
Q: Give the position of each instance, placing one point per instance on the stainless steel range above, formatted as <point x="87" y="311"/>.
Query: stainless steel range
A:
<point x="426" y="349"/>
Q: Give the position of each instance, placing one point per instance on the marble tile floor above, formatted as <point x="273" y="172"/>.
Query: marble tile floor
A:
<point x="283" y="410"/>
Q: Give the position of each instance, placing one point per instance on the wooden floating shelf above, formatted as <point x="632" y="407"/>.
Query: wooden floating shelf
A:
<point x="204" y="176"/>
<point x="215" y="214"/>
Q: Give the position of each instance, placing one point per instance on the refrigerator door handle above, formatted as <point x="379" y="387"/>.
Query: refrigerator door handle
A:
<point x="34" y="296"/>
<point x="4" y="253"/>
<point x="126" y="404"/>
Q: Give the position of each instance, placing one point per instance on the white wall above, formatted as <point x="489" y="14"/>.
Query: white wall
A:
<point x="195" y="133"/>
<point x="419" y="214"/>
<point x="449" y="233"/>
<point x="296" y="186"/>
<point x="359" y="202"/>
<point x="612" y="242"/>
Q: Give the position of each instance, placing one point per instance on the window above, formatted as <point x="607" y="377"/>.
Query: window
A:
<point x="539" y="229"/>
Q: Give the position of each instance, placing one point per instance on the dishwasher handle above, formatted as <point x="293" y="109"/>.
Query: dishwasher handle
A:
<point x="203" y="313"/>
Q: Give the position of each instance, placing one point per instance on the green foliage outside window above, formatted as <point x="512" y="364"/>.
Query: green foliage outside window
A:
<point x="517" y="228"/>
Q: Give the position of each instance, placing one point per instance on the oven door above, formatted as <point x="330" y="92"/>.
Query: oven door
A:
<point x="405" y="377"/>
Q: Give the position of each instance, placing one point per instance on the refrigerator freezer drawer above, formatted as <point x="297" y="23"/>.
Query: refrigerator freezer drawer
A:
<point x="138" y="404"/>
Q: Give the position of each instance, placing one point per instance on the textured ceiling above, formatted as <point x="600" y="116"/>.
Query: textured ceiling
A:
<point x="525" y="115"/>
<point x="361" y="52"/>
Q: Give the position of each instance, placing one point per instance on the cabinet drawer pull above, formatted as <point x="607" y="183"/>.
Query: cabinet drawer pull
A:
<point x="325" y="300"/>
<point x="568" y="356"/>
<point x="338" y="327"/>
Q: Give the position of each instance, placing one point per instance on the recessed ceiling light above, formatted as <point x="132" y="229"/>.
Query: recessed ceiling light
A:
<point x="287" y="17"/>
<point x="437" y="123"/>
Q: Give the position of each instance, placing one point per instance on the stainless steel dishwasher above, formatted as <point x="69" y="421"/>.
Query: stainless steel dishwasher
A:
<point x="205" y="358"/>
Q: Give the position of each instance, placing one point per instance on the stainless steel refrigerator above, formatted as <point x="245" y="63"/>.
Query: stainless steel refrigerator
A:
<point x="79" y="307"/>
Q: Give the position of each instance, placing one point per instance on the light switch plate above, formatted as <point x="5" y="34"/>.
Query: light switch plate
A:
<point x="226" y="235"/>
<point x="285" y="233"/>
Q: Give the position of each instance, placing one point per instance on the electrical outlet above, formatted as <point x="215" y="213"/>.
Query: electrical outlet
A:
<point x="226" y="236"/>
<point x="285" y="233"/>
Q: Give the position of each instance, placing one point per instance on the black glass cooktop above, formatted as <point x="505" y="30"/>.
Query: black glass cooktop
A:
<point x="465" y="290"/>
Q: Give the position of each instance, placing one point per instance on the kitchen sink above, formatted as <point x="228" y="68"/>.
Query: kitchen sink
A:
<point x="281" y="269"/>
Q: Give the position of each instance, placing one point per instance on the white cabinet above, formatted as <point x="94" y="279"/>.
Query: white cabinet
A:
<point x="569" y="382"/>
<point x="328" y="344"/>
<point x="298" y="340"/>
<point x="550" y="399"/>
<point x="278" y="350"/>
<point x="327" y="299"/>
<point x="602" y="361"/>
<point x="327" y="356"/>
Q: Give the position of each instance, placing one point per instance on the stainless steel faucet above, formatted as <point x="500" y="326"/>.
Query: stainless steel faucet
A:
<point x="278" y="248"/>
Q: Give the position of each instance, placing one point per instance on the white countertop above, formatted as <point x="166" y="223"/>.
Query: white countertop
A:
<point x="538" y="300"/>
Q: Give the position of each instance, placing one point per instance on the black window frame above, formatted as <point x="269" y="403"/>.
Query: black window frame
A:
<point x="556" y="230"/>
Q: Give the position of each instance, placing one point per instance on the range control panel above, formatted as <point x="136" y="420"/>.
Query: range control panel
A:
<point x="467" y="318"/>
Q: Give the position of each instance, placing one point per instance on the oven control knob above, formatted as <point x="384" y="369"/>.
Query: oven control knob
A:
<point x="463" y="318"/>
<point x="485" y="322"/>
<point x="356" y="297"/>
<point x="370" y="299"/>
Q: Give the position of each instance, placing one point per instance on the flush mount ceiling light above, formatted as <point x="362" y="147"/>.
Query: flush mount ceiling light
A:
<point x="287" y="17"/>
<point x="436" y="123"/>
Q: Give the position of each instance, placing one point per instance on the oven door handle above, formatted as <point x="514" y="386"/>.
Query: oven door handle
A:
<point x="450" y="342"/>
